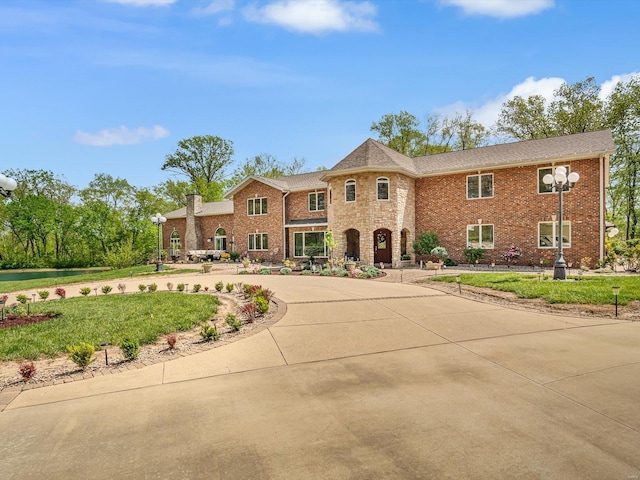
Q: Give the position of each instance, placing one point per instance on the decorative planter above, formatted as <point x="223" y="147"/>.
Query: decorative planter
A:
<point x="207" y="267"/>
<point x="350" y="266"/>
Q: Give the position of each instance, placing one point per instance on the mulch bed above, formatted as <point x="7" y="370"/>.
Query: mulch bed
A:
<point x="23" y="320"/>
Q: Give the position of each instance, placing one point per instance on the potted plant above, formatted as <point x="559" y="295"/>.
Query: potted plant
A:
<point x="441" y="253"/>
<point x="207" y="266"/>
<point x="350" y="265"/>
<point x="512" y="255"/>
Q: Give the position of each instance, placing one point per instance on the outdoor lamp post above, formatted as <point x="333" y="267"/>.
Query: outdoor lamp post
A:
<point x="558" y="182"/>
<point x="459" y="286"/>
<point x="7" y="186"/>
<point x="616" y="292"/>
<point x="159" y="220"/>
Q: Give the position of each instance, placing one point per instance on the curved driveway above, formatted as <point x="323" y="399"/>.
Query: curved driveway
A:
<point x="359" y="379"/>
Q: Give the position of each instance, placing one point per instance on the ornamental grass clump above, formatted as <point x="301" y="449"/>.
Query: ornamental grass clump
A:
<point x="81" y="355"/>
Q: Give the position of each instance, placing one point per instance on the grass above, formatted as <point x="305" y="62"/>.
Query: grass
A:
<point x="98" y="275"/>
<point x="105" y="319"/>
<point x="588" y="290"/>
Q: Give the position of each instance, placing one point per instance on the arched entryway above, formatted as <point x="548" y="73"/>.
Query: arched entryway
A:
<point x="353" y="244"/>
<point x="220" y="239"/>
<point x="382" y="246"/>
<point x="174" y="245"/>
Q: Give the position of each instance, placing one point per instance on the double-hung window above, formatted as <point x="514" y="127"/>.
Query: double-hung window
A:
<point x="480" y="236"/>
<point x="302" y="241"/>
<point x="316" y="201"/>
<point x="258" y="241"/>
<point x="548" y="234"/>
<point x="383" y="188"/>
<point x="543" y="187"/>
<point x="257" y="206"/>
<point x="350" y="191"/>
<point x="480" y="186"/>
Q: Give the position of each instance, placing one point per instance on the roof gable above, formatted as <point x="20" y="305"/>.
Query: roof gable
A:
<point x="372" y="155"/>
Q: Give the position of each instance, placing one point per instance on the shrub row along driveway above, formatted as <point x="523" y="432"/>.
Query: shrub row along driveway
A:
<point x="359" y="379"/>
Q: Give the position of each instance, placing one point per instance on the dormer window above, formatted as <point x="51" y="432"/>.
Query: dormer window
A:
<point x="383" y="188"/>
<point x="350" y="191"/>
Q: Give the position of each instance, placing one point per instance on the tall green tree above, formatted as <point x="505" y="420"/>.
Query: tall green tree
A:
<point x="201" y="157"/>
<point x="265" y="165"/>
<point x="401" y="131"/>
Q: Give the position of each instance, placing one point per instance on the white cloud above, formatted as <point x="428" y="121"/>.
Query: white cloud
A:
<point x="120" y="136"/>
<point x="500" y="8"/>
<point x="143" y="3"/>
<point x="216" y="6"/>
<point x="607" y="87"/>
<point x="316" y="16"/>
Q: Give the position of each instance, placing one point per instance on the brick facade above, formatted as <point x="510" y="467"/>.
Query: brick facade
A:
<point x="297" y="205"/>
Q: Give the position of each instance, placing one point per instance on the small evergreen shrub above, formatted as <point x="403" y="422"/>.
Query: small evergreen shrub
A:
<point x="27" y="371"/>
<point x="84" y="291"/>
<point x="81" y="355"/>
<point x="219" y="286"/>
<point x="106" y="289"/>
<point x="243" y="272"/>
<point x="262" y="304"/>
<point x="450" y="263"/>
<point x="324" y="273"/>
<point x="180" y="287"/>
<point x="341" y="272"/>
<point x="22" y="298"/>
<point x="209" y="332"/>
<point x="43" y="294"/>
<point x="142" y="287"/>
<point x="234" y="256"/>
<point x="153" y="287"/>
<point x="197" y="287"/>
<point x="473" y="255"/>
<point x="229" y="287"/>
<point x="130" y="348"/>
<point x="285" y="271"/>
<point x="306" y="272"/>
<point x="61" y="292"/>
<point x="233" y="321"/>
<point x="264" y="271"/>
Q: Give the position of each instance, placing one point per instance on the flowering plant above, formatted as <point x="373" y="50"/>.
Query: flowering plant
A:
<point x="512" y="254"/>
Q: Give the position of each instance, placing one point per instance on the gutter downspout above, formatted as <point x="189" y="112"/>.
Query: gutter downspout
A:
<point x="284" y="229"/>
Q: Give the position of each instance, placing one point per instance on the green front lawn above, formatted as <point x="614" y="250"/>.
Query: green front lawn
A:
<point x="588" y="290"/>
<point x="105" y="319"/>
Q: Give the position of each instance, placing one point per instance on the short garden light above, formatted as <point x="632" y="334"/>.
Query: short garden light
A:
<point x="616" y="292"/>
<point x="459" y="286"/>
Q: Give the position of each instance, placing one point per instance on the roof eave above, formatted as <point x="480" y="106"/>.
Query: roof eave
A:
<point x="353" y="171"/>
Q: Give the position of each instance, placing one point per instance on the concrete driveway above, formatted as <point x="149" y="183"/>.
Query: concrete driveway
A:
<point x="359" y="379"/>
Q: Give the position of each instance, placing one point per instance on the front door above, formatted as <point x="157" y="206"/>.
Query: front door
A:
<point x="382" y="246"/>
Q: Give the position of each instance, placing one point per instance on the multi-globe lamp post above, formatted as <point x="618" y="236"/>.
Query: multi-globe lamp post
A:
<point x="159" y="220"/>
<point x="558" y="182"/>
<point x="7" y="185"/>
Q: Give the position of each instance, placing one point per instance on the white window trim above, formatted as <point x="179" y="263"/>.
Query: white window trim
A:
<point x="255" y="235"/>
<point x="386" y="180"/>
<point x="554" y="232"/>
<point x="259" y="201"/>
<point x="304" y="246"/>
<point x="479" y="175"/>
<point x="551" y="190"/>
<point x="471" y="227"/>
<point x="351" y="181"/>
<point x="317" y="209"/>
<point x="217" y="237"/>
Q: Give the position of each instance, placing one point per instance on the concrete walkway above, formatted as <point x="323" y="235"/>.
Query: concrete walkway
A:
<point x="359" y="379"/>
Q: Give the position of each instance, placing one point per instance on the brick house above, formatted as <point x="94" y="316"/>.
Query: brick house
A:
<point x="376" y="201"/>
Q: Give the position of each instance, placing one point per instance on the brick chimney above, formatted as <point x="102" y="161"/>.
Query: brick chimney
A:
<point x="192" y="233"/>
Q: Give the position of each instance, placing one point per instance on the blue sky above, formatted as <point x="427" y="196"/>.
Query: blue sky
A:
<point x="111" y="86"/>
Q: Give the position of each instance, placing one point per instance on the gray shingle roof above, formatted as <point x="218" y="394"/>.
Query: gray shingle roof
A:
<point x="208" y="208"/>
<point x="580" y="145"/>
<point x="304" y="181"/>
<point x="372" y="155"/>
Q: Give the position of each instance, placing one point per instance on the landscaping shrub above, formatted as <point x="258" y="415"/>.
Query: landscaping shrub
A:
<point x="130" y="348"/>
<point x="264" y="271"/>
<point x="43" y="294"/>
<point x="61" y="292"/>
<point x="181" y="287"/>
<point x="171" y="341"/>
<point x="233" y="321"/>
<point x="370" y="270"/>
<point x="197" y="287"/>
<point x="153" y="287"/>
<point x="234" y="256"/>
<point x="285" y="271"/>
<point x="450" y="263"/>
<point x="106" y="289"/>
<point x="22" y="298"/>
<point x="170" y="286"/>
<point x="266" y="293"/>
<point x="27" y="371"/>
<point x="262" y="304"/>
<point x="341" y="272"/>
<point x="122" y="287"/>
<point x="325" y="273"/>
<point x="209" y="332"/>
<point x="243" y="272"/>
<point x="364" y="275"/>
<point x="250" y="311"/>
<point x="81" y="355"/>
<point x="426" y="242"/>
<point x="142" y="287"/>
<point x="473" y="255"/>
<point x="219" y="286"/>
<point x="84" y="291"/>
<point x="306" y="272"/>
<point x="229" y="287"/>
<point x="239" y="287"/>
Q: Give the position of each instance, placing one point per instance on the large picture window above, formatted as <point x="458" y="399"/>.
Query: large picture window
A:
<point x="258" y="241"/>
<point x="316" y="201"/>
<point x="350" y="191"/>
<point x="383" y="188"/>
<point x="480" y="236"/>
<point x="542" y="187"/>
<point x="257" y="206"/>
<point x="480" y="186"/>
<point x="548" y="234"/>
<point x="302" y="240"/>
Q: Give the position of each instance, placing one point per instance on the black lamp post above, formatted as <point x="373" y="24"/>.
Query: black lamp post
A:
<point x="159" y="220"/>
<point x="7" y="186"/>
<point x="558" y="182"/>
